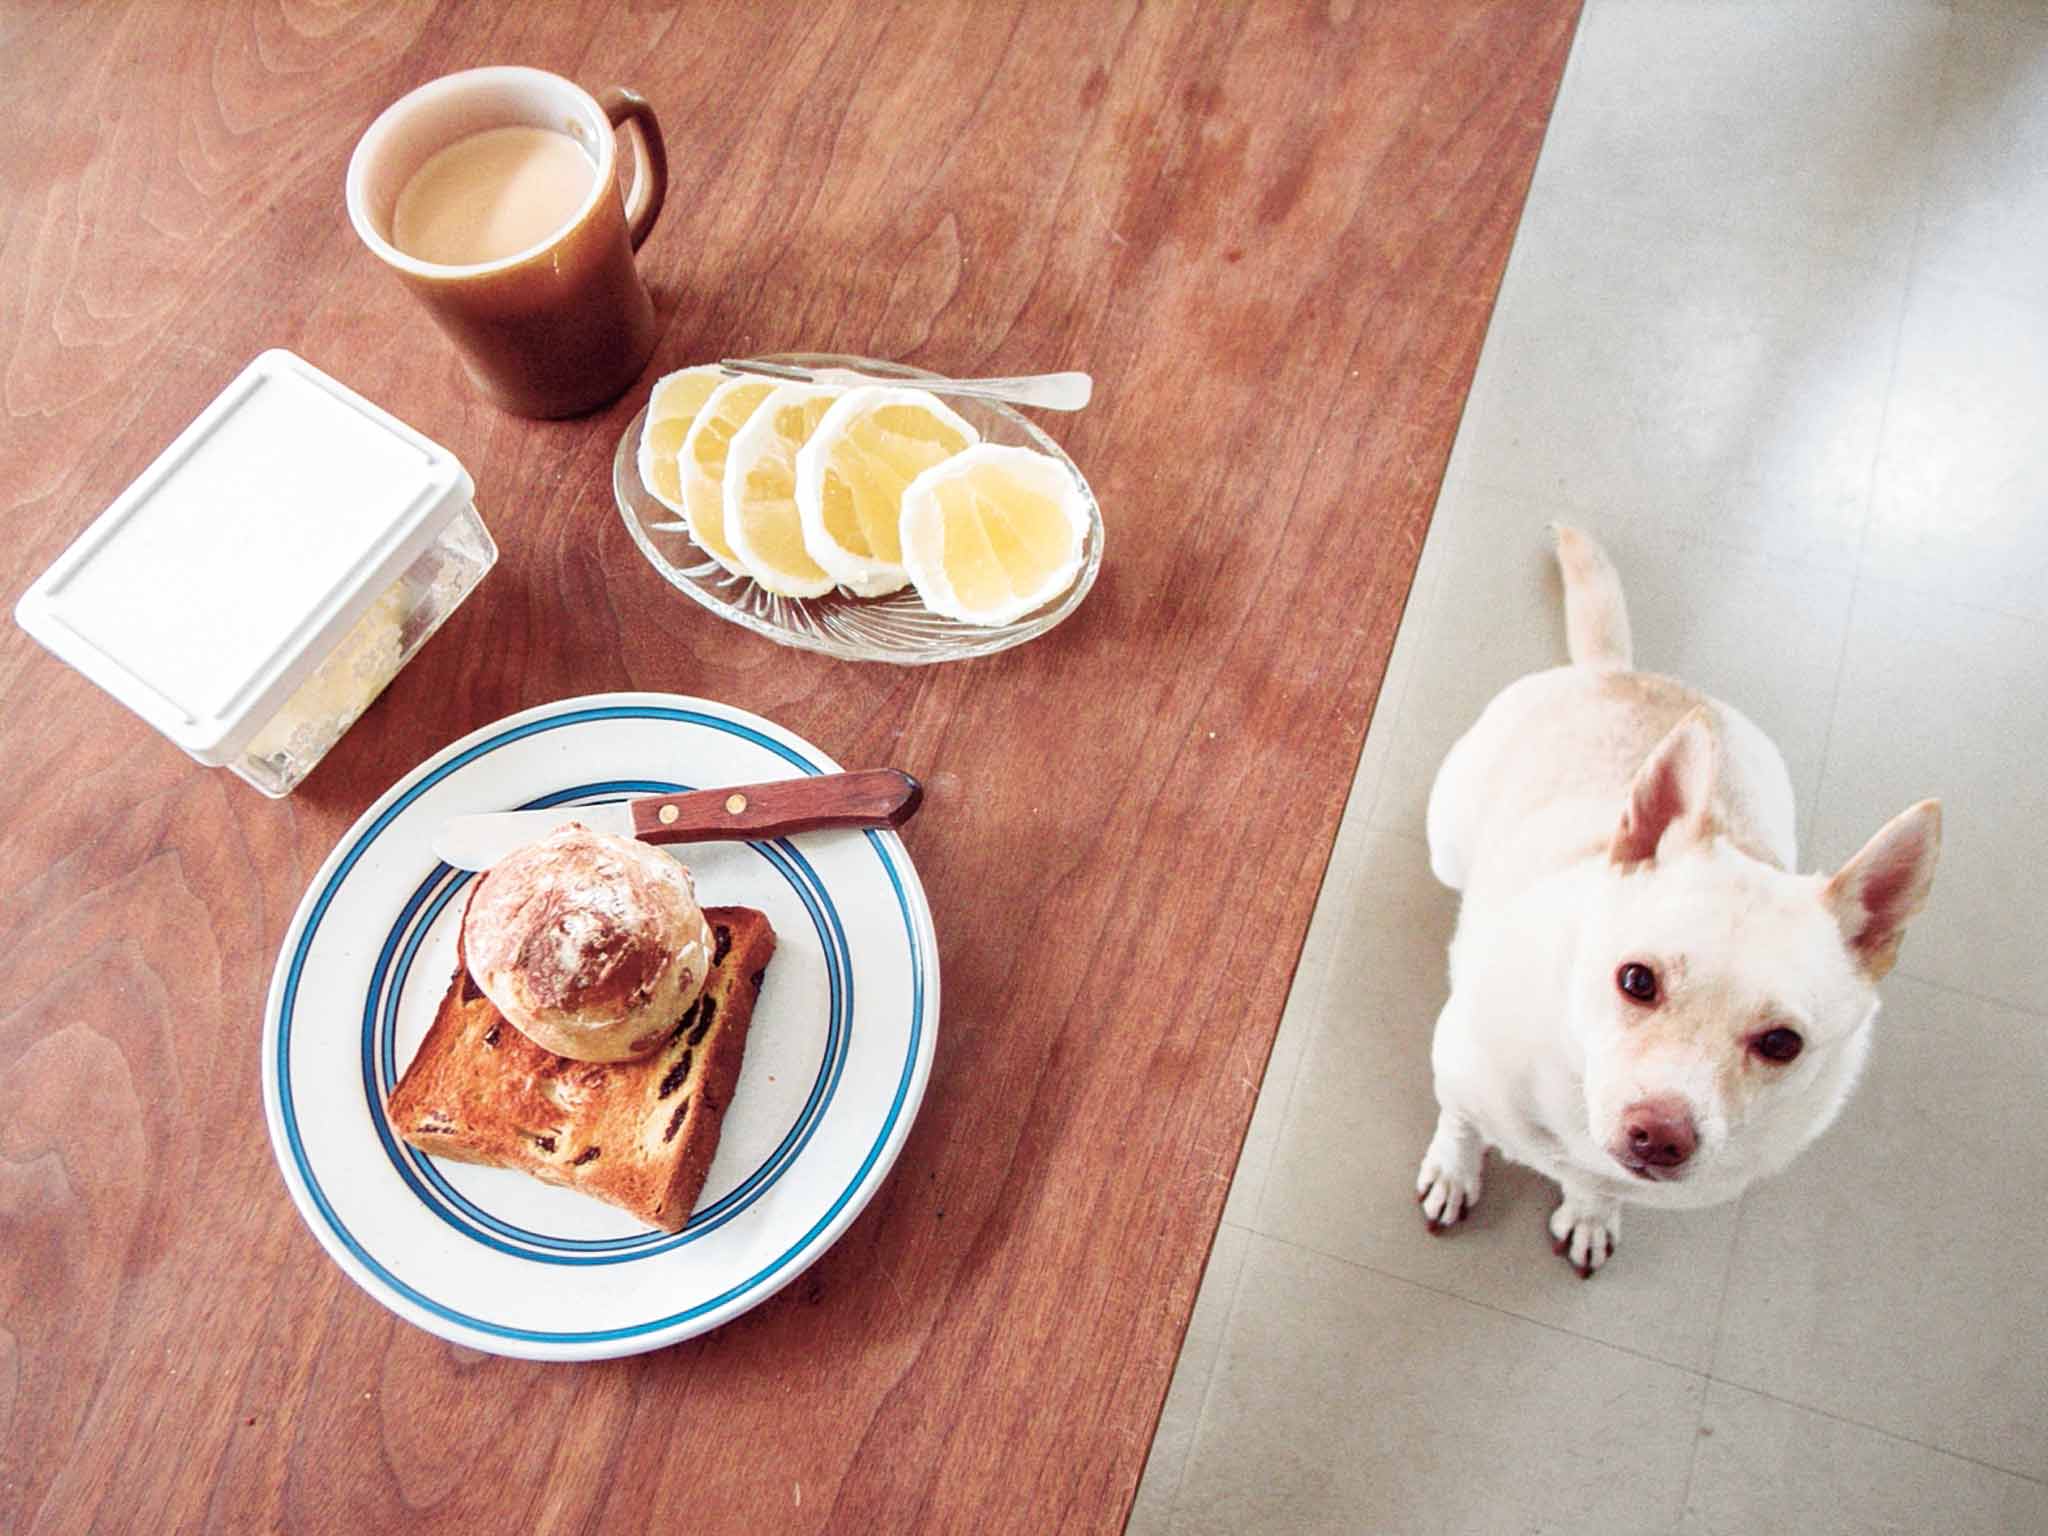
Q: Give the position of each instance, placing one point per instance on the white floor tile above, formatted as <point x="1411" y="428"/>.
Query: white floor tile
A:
<point x="2032" y="10"/>
<point x="1960" y="504"/>
<point x="1346" y="1402"/>
<point x="1393" y="923"/>
<point x="1178" y="1420"/>
<point x="1766" y="1468"/>
<point x="1986" y="214"/>
<point x="1891" y="1277"/>
<point x="1791" y="124"/>
<point x="1941" y="699"/>
<point x="1722" y="386"/>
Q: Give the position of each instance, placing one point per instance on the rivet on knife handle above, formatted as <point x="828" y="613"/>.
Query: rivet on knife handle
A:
<point x="875" y="797"/>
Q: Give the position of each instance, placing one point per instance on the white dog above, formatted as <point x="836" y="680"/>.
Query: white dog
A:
<point x="1646" y="1002"/>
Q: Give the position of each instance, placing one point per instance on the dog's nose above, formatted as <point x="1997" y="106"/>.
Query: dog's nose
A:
<point x="1660" y="1132"/>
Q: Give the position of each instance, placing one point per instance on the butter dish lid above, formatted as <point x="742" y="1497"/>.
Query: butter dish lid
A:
<point x="225" y="574"/>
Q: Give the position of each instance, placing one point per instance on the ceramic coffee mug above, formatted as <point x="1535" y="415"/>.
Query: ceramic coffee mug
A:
<point x="563" y="326"/>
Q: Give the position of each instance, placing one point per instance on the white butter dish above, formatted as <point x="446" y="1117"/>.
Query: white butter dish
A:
<point x="253" y="592"/>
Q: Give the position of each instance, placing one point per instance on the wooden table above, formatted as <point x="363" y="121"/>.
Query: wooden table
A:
<point x="1272" y="232"/>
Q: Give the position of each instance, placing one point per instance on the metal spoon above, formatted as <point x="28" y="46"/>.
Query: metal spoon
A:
<point x="1048" y="391"/>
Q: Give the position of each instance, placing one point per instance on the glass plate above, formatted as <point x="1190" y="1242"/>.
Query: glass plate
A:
<point x="896" y="628"/>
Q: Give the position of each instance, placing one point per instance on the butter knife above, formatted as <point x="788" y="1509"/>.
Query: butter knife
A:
<point x="874" y="797"/>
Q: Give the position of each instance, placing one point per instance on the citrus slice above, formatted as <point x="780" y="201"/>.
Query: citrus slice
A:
<point x="671" y="408"/>
<point x="851" y="475"/>
<point x="992" y="533"/>
<point x="702" y="460"/>
<point x="760" y="491"/>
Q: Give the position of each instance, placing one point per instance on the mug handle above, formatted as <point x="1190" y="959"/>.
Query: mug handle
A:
<point x="629" y="110"/>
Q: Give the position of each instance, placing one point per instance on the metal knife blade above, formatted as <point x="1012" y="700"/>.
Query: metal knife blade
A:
<point x="478" y="842"/>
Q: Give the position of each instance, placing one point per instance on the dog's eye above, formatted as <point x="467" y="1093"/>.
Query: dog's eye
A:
<point x="1638" y="981"/>
<point x="1778" y="1044"/>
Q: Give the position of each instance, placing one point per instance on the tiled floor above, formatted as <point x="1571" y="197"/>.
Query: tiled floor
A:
<point x="1776" y="328"/>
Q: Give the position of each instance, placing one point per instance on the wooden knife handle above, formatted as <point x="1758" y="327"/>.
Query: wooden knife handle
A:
<point x="874" y="797"/>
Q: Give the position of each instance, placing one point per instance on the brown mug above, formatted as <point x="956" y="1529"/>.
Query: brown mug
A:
<point x="563" y="326"/>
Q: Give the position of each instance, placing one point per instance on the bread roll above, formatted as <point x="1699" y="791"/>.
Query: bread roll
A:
<point x="591" y="946"/>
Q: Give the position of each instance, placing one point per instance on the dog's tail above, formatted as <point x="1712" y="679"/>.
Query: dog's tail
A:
<point x="1595" y="615"/>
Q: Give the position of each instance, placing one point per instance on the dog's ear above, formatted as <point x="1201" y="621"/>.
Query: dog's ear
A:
<point x="1671" y="792"/>
<point x="1883" y="888"/>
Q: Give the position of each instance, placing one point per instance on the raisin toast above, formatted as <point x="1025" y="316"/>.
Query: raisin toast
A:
<point x="636" y="1134"/>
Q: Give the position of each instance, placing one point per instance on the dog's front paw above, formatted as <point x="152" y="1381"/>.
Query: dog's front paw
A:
<point x="1585" y="1233"/>
<point x="1444" y="1197"/>
<point x="1449" y="1183"/>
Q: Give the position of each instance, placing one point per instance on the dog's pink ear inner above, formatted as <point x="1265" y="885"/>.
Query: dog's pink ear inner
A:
<point x="1883" y="888"/>
<point x="1672" y="791"/>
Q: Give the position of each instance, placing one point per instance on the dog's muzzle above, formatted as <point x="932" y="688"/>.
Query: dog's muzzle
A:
<point x="1657" y="1138"/>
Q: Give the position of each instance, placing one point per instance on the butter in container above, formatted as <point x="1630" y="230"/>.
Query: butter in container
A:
<point x="255" y="590"/>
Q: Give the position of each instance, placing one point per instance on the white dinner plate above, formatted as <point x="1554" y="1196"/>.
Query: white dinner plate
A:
<point x="837" y="1056"/>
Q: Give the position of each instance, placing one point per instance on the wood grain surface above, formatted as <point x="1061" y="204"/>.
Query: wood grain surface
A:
<point x="1273" y="233"/>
